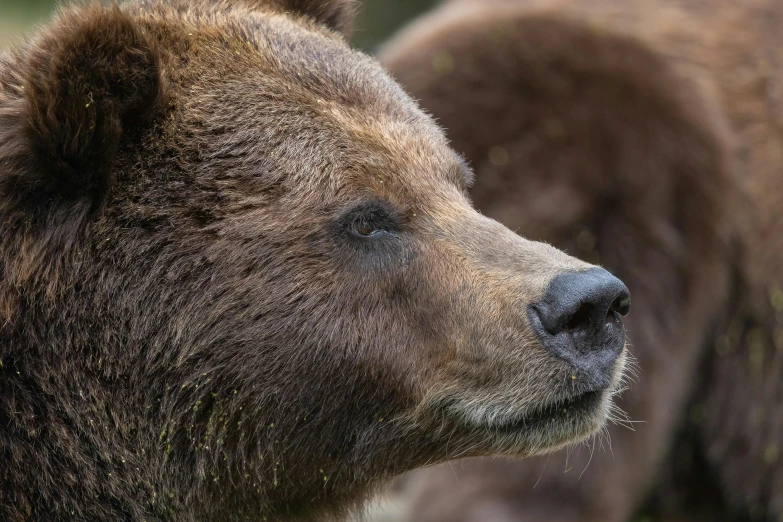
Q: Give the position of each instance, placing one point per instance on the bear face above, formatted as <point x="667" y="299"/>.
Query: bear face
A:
<point x="240" y="274"/>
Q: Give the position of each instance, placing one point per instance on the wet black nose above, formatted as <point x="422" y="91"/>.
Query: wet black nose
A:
<point x="582" y="302"/>
<point x="579" y="319"/>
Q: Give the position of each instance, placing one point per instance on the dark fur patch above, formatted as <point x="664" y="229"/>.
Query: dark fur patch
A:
<point x="88" y="85"/>
<point x="337" y="15"/>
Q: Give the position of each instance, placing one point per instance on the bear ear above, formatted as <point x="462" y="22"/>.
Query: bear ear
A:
<point x="93" y="78"/>
<point x="338" y="15"/>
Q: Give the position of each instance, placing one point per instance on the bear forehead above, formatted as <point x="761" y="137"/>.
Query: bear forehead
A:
<point x="266" y="78"/>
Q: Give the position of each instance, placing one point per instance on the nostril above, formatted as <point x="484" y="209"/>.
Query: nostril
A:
<point x="580" y="319"/>
<point x="621" y="305"/>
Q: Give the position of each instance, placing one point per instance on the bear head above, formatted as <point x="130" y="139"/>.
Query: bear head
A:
<point x="240" y="274"/>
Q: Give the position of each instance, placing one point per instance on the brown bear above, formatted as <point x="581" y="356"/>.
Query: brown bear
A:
<point x="241" y="279"/>
<point x="646" y="136"/>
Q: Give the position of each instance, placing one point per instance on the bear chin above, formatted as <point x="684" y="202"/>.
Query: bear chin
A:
<point x="559" y="424"/>
<point x="507" y="427"/>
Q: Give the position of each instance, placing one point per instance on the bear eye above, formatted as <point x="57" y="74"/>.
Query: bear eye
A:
<point x="364" y="228"/>
<point x="370" y="221"/>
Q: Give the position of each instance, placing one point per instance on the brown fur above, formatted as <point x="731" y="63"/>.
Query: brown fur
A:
<point x="195" y="322"/>
<point x="644" y="135"/>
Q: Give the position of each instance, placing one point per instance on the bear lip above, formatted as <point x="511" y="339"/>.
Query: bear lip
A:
<point x="580" y="404"/>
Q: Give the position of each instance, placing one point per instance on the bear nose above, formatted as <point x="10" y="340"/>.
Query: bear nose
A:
<point x="583" y="301"/>
<point x="579" y="320"/>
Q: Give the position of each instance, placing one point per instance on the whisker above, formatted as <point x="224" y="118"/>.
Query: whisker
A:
<point x="542" y="471"/>
<point x="592" y="450"/>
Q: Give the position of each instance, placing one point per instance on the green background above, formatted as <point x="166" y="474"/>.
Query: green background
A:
<point x="377" y="20"/>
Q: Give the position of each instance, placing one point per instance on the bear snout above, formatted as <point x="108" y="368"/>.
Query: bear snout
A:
<point x="579" y="320"/>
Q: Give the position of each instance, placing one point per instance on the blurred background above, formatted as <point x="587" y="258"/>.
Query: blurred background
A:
<point x="377" y="20"/>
